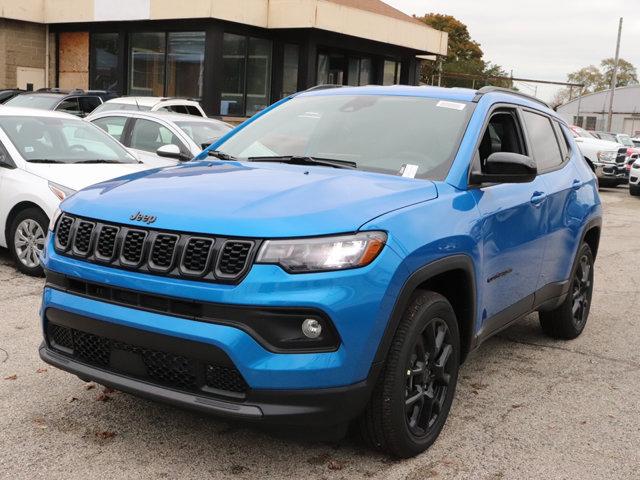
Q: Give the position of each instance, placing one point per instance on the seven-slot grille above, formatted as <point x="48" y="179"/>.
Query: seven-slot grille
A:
<point x="151" y="251"/>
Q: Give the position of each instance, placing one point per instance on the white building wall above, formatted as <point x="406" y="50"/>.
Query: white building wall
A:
<point x="593" y="109"/>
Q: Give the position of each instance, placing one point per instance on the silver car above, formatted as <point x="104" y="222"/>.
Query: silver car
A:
<point x="161" y="138"/>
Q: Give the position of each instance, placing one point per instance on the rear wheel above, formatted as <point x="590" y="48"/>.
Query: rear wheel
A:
<point x="27" y="235"/>
<point x="411" y="401"/>
<point x="569" y="319"/>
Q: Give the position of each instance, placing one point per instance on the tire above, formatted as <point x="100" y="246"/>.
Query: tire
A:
<point x="411" y="400"/>
<point x="27" y="234"/>
<point x="567" y="321"/>
<point x="634" y="190"/>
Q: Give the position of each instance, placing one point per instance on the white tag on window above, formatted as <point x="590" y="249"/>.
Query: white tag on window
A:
<point x="451" y="105"/>
<point x="409" y="170"/>
<point x="28" y="149"/>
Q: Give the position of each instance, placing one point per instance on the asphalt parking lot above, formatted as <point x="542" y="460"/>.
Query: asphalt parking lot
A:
<point x="526" y="406"/>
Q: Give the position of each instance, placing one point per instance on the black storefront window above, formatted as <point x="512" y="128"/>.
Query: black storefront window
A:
<point x="104" y="55"/>
<point x="247" y="75"/>
<point x="166" y="64"/>
<point x="339" y="69"/>
<point x="391" y="72"/>
<point x="185" y="64"/>
<point x="290" y="70"/>
<point x="147" y="63"/>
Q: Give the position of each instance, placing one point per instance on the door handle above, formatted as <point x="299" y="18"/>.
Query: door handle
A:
<point x="537" y="198"/>
<point x="576" y="184"/>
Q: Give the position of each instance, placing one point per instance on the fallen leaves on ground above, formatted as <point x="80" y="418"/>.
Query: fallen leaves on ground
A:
<point x="105" y="434"/>
<point x="89" y="386"/>
<point x="41" y="370"/>
<point x="11" y="377"/>
<point x="335" y="465"/>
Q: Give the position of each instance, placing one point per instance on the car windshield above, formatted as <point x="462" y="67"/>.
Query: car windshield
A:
<point x="111" y="106"/>
<point x="62" y="140"/>
<point x="203" y="133"/>
<point x="625" y="140"/>
<point x="380" y="133"/>
<point x="42" y="101"/>
<point x="610" y="137"/>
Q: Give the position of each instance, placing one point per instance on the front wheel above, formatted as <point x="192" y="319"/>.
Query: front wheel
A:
<point x="411" y="400"/>
<point x="634" y="190"/>
<point x="569" y="319"/>
<point x="27" y="235"/>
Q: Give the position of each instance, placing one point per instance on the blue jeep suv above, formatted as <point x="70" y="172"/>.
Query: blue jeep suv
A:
<point x="333" y="259"/>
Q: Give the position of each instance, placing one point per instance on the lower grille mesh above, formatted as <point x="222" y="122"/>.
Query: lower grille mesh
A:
<point x="168" y="369"/>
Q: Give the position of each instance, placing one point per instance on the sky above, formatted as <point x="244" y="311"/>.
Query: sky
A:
<point x="542" y="39"/>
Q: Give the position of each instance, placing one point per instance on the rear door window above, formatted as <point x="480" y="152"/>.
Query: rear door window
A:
<point x="114" y="126"/>
<point x="544" y="142"/>
<point x="148" y="136"/>
<point x="88" y="104"/>
<point x="69" y="105"/>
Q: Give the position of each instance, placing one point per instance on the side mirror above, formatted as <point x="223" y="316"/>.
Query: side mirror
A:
<point x="170" y="151"/>
<point x="506" y="167"/>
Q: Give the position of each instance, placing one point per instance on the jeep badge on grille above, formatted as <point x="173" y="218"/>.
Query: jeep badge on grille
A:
<point x="140" y="217"/>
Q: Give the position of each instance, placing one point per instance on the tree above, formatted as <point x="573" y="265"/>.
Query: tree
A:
<point x="464" y="55"/>
<point x="627" y="74"/>
<point x="596" y="80"/>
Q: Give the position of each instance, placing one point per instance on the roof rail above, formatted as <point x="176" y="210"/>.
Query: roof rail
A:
<point x="490" y="89"/>
<point x="327" y="86"/>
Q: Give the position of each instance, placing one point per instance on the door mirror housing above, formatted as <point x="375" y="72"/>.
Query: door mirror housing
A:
<point x="171" y="151"/>
<point x="506" y="167"/>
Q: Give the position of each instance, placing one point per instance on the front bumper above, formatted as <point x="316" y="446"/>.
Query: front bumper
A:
<point x="175" y="371"/>
<point x="611" y="171"/>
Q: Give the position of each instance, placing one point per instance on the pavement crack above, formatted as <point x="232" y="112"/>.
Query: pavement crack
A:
<point x="605" y="358"/>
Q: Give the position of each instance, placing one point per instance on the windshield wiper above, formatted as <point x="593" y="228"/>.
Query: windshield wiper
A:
<point x="221" y="155"/>
<point x="97" y="161"/>
<point x="302" y="160"/>
<point x="45" y="160"/>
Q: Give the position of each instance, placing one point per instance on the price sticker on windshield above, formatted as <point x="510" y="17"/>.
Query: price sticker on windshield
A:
<point x="409" y="170"/>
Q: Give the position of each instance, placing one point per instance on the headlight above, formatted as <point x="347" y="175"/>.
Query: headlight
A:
<point x="54" y="219"/>
<point x="607" y="156"/>
<point x="60" y="191"/>
<point x="324" y="253"/>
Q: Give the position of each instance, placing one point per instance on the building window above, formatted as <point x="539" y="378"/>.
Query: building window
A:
<point x="247" y="75"/>
<point x="591" y="123"/>
<point x="166" y="64"/>
<point x="104" y="52"/>
<point x="578" y="121"/>
<point x="359" y="71"/>
<point x="391" y="72"/>
<point x="147" y="64"/>
<point x="290" y="70"/>
<point x="185" y="64"/>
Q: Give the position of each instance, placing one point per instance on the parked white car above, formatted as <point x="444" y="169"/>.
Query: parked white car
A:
<point x="607" y="159"/>
<point x="44" y="158"/>
<point x="161" y="138"/>
<point x="153" y="104"/>
<point x="634" y="179"/>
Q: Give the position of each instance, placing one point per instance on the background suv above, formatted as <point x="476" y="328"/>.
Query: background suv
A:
<point x="154" y="104"/>
<point x="334" y="264"/>
<point x="76" y="102"/>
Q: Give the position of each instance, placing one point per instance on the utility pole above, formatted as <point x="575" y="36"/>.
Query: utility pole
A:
<point x="614" y="77"/>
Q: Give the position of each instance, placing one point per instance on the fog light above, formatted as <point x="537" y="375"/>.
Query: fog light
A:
<point x="311" y="328"/>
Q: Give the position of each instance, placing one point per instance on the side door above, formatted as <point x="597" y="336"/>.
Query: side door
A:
<point x="552" y="153"/>
<point x="513" y="219"/>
